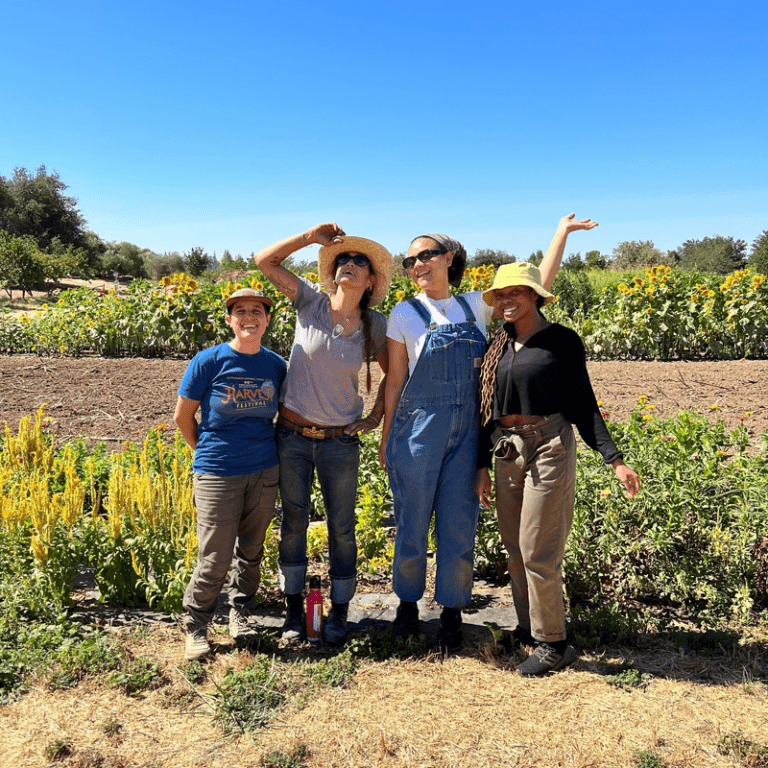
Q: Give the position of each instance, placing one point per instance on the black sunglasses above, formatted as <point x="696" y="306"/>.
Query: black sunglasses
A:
<point x="427" y="255"/>
<point x="359" y="259"/>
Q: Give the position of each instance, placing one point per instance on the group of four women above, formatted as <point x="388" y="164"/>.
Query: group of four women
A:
<point x="447" y="405"/>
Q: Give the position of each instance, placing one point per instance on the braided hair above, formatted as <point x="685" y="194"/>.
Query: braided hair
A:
<point x="365" y="317"/>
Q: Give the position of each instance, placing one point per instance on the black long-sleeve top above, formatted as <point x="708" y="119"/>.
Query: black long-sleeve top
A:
<point x="548" y="375"/>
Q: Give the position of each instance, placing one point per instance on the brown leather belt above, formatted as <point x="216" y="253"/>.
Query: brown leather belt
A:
<point x="318" y="433"/>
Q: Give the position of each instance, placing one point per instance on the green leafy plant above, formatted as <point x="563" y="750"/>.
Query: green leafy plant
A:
<point x="748" y="752"/>
<point x="136" y="675"/>
<point x="245" y="701"/>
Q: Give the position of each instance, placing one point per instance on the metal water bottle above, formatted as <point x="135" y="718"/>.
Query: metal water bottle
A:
<point x="314" y="610"/>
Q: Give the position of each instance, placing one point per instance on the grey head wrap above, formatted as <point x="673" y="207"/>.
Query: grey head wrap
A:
<point x="459" y="263"/>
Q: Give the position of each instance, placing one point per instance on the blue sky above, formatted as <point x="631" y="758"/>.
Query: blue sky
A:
<point x="233" y="124"/>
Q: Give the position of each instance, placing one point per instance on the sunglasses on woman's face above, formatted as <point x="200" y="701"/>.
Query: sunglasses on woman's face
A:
<point x="358" y="258"/>
<point x="410" y="261"/>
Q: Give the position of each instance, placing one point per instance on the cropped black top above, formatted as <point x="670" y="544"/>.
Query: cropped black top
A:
<point x="548" y="375"/>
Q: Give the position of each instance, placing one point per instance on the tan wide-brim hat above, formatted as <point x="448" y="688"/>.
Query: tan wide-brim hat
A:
<point x="248" y="293"/>
<point x="521" y="273"/>
<point x="378" y="255"/>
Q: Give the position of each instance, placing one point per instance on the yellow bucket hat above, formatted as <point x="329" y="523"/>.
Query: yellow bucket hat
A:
<point x="522" y="273"/>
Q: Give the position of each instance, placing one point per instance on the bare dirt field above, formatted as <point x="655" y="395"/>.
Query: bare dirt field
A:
<point x="467" y="710"/>
<point x="115" y="400"/>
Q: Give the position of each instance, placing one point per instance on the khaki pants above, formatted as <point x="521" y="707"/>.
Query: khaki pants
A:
<point x="535" y="482"/>
<point x="233" y="514"/>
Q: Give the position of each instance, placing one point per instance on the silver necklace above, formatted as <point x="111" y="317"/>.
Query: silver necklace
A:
<point x="443" y="307"/>
<point x="338" y="329"/>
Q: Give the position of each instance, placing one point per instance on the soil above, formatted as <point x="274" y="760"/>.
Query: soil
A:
<point x="114" y="400"/>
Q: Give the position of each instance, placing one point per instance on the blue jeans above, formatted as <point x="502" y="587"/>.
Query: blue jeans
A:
<point x="336" y="461"/>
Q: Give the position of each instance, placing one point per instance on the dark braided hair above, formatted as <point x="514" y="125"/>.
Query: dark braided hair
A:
<point x="365" y="317"/>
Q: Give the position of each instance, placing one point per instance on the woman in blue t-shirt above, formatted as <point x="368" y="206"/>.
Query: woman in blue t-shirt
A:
<point x="321" y="411"/>
<point x="235" y="387"/>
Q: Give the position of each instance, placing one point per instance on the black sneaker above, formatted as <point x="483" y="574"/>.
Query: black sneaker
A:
<point x="406" y="623"/>
<point x="449" y="636"/>
<point x="548" y="658"/>
<point x="294" y="628"/>
<point x="335" y="626"/>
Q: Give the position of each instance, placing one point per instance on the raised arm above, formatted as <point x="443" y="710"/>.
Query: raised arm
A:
<point x="554" y="255"/>
<point x="269" y="260"/>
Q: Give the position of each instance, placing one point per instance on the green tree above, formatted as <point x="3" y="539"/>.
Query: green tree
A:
<point x="573" y="263"/>
<point x="717" y="254"/>
<point x="595" y="260"/>
<point x="125" y="259"/>
<point x="485" y="256"/>
<point x="536" y="257"/>
<point x="21" y="264"/>
<point x="163" y="266"/>
<point x="63" y="261"/>
<point x="758" y="257"/>
<point x="226" y="259"/>
<point x="197" y="261"/>
<point x="36" y="205"/>
<point x="632" y="254"/>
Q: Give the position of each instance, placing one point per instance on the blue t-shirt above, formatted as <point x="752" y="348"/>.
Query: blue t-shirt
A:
<point x="238" y="402"/>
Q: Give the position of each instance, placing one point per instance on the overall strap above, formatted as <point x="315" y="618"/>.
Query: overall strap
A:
<point x="421" y="311"/>
<point x="468" y="313"/>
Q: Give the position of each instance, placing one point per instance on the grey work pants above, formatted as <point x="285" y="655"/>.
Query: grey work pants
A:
<point x="535" y="471"/>
<point x="233" y="514"/>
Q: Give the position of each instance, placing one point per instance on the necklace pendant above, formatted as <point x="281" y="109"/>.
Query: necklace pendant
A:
<point x="338" y="329"/>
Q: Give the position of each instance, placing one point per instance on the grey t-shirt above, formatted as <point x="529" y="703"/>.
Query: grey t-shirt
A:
<point x="321" y="384"/>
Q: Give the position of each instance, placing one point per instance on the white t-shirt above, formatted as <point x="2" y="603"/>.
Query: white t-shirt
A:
<point x="407" y="327"/>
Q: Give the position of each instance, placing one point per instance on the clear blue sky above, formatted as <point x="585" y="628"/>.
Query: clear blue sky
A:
<point x="232" y="124"/>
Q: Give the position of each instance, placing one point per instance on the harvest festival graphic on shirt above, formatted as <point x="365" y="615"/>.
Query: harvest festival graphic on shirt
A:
<point x="248" y="393"/>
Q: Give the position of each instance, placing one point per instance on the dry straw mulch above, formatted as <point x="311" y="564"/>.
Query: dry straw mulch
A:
<point x="471" y="710"/>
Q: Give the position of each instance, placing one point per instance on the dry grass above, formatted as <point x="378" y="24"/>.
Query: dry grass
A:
<point x="470" y="710"/>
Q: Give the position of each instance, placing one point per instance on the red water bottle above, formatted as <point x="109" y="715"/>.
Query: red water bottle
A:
<point x="314" y="610"/>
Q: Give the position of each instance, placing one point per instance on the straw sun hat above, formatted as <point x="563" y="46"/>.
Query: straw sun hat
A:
<point x="521" y="273"/>
<point x="378" y="255"/>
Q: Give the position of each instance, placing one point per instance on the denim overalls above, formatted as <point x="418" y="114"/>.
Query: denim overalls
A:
<point x="432" y="461"/>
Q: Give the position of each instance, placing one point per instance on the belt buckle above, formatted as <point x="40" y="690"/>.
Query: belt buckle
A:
<point x="313" y="432"/>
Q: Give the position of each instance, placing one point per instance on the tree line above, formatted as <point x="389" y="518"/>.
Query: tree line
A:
<point x="44" y="237"/>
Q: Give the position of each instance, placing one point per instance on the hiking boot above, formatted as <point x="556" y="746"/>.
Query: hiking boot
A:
<point x="449" y="635"/>
<point x="335" y="626"/>
<point x="196" y="645"/>
<point x="293" y="626"/>
<point x="406" y="623"/>
<point x="548" y="657"/>
<point x="522" y="636"/>
<point x="238" y="624"/>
